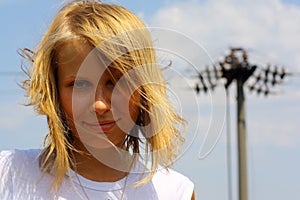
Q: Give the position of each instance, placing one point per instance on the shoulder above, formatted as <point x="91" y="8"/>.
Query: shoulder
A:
<point x="18" y="161"/>
<point x="15" y="165"/>
<point x="12" y="157"/>
<point x="6" y="155"/>
<point x="171" y="184"/>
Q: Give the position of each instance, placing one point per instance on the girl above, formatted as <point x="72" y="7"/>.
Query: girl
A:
<point x="112" y="132"/>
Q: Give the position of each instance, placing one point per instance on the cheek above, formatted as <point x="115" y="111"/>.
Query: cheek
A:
<point x="126" y="106"/>
<point x="66" y="103"/>
<point x="66" y="106"/>
<point x="135" y="101"/>
<point x="133" y="110"/>
<point x="73" y="107"/>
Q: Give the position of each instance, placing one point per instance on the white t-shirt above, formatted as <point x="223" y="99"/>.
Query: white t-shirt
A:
<point x="21" y="179"/>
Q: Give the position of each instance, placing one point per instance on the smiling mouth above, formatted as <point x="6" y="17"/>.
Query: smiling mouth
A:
<point x="101" y="127"/>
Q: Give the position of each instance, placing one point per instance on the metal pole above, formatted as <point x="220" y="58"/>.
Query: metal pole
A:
<point x="242" y="153"/>
<point x="236" y="67"/>
<point x="228" y="148"/>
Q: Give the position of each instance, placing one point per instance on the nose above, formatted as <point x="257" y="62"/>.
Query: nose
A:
<point x="100" y="105"/>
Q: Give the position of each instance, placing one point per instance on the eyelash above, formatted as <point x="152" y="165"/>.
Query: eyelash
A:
<point x="84" y="84"/>
<point x="80" y="84"/>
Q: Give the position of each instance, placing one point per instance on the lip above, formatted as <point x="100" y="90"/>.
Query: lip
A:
<point x="101" y="126"/>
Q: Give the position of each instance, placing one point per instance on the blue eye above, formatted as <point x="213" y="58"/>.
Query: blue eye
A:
<point x="81" y="84"/>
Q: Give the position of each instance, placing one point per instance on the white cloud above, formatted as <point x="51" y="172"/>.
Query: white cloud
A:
<point x="269" y="29"/>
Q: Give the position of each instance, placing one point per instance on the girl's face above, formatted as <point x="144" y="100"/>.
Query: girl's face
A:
<point x="99" y="112"/>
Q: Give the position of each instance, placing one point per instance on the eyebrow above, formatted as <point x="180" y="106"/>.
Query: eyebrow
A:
<point x="75" y="77"/>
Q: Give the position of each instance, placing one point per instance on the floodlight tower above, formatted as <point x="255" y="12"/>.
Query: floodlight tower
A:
<point x="235" y="67"/>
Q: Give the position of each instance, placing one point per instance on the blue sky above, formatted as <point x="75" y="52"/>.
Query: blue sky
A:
<point x="269" y="29"/>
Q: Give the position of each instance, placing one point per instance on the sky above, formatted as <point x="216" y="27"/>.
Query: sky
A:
<point x="202" y="32"/>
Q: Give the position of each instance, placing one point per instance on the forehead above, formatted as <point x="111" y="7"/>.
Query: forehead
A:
<point x="72" y="51"/>
<point x="80" y="58"/>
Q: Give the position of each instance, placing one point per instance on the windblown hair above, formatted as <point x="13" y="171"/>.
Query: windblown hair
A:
<point x="123" y="39"/>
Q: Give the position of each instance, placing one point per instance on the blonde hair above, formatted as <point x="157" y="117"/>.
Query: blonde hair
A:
<point x="96" y="23"/>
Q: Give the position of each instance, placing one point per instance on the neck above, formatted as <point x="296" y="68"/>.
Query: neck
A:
<point x="95" y="167"/>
